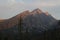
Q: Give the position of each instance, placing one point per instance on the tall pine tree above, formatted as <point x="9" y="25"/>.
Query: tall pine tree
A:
<point x="20" y="29"/>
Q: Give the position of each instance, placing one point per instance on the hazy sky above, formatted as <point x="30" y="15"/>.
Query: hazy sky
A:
<point x="10" y="8"/>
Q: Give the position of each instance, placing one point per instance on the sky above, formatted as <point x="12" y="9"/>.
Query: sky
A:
<point x="10" y="8"/>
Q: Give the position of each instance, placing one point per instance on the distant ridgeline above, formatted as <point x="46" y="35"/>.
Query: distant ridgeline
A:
<point x="35" y="25"/>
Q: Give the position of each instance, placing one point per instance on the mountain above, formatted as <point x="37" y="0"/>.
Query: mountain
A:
<point x="44" y="17"/>
<point x="37" y="20"/>
<point x="30" y="23"/>
<point x="2" y="20"/>
<point x="9" y="23"/>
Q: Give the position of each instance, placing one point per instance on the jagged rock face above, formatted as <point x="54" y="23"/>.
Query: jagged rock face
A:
<point x="37" y="21"/>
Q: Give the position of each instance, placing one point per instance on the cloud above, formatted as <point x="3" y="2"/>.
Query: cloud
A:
<point x="10" y="8"/>
<point x="7" y="2"/>
<point x="43" y="3"/>
<point x="11" y="2"/>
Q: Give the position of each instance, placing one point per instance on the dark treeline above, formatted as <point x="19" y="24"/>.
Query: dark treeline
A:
<point x="46" y="35"/>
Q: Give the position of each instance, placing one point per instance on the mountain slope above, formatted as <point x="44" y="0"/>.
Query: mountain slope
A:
<point x="38" y="20"/>
<point x="9" y="23"/>
<point x="32" y="24"/>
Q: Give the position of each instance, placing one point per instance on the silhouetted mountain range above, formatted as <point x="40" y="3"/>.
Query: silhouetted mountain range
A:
<point x="32" y="24"/>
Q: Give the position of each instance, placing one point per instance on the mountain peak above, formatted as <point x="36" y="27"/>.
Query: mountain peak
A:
<point x="25" y="13"/>
<point x="37" y="11"/>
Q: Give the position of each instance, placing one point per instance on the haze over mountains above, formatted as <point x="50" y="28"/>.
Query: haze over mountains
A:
<point x="35" y="23"/>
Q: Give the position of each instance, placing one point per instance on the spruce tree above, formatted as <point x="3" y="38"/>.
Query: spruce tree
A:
<point x="20" y="29"/>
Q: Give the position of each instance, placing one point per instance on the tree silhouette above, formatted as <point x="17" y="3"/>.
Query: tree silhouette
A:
<point x="20" y="29"/>
<point x="59" y="22"/>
